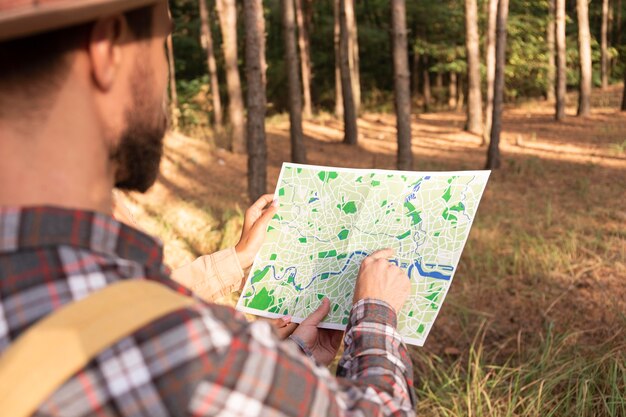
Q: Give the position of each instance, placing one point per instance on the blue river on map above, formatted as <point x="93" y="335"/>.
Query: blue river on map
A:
<point x="292" y="271"/>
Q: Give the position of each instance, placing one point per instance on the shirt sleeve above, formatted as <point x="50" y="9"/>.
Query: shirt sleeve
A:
<point x="265" y="376"/>
<point x="376" y="358"/>
<point x="211" y="276"/>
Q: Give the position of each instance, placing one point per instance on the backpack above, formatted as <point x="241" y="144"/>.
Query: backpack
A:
<point x="64" y="342"/>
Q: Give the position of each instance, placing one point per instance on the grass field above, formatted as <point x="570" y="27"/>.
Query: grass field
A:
<point x="535" y="321"/>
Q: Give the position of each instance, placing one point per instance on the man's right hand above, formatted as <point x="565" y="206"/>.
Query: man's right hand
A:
<point x="381" y="280"/>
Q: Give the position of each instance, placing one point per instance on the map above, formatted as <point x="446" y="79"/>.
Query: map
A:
<point x="330" y="219"/>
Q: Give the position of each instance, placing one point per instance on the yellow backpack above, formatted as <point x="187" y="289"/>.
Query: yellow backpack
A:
<point x="59" y="345"/>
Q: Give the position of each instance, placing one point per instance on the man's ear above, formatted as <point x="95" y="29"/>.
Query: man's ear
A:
<point x="105" y="51"/>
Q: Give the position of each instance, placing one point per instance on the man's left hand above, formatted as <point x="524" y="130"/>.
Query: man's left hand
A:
<point x="255" y="223"/>
<point x="323" y="343"/>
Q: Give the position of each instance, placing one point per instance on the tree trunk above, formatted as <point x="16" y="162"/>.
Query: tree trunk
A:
<point x="452" y="91"/>
<point x="227" y="11"/>
<point x="551" y="53"/>
<point x="256" y="99"/>
<point x="584" y="48"/>
<point x="207" y="43"/>
<point x="561" y="64"/>
<point x="298" y="152"/>
<point x="353" y="45"/>
<point x="604" y="58"/>
<point x="337" y="34"/>
<point x="474" y="101"/>
<point x="493" y="154"/>
<point x="426" y="87"/>
<point x="402" y="84"/>
<point x="461" y="94"/>
<point x="305" y="60"/>
<point x="173" y="93"/>
<point x="349" y="110"/>
<point x="491" y="66"/>
<point x="617" y="33"/>
<point x="624" y="93"/>
<point x="439" y="80"/>
<point x="415" y="74"/>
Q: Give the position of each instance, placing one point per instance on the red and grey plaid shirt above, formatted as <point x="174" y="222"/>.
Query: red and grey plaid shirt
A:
<point x="204" y="360"/>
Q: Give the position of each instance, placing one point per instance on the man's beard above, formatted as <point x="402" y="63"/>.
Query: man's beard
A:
<point x="138" y="154"/>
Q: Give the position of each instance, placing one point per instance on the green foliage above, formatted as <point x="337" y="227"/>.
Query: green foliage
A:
<point x="436" y="29"/>
<point x="527" y="69"/>
<point x="192" y="101"/>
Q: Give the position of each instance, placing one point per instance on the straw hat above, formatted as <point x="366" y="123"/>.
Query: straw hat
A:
<point x="19" y="18"/>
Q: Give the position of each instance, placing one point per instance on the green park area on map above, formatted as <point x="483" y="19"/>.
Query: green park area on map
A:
<point x="330" y="219"/>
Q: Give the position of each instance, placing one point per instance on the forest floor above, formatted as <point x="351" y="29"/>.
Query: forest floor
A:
<point x="536" y="317"/>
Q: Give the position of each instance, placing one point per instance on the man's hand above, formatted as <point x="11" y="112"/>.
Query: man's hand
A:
<point x="323" y="343"/>
<point x="254" y="226"/>
<point x="381" y="280"/>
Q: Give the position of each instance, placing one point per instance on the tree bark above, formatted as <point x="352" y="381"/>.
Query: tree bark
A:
<point x="452" y="91"/>
<point x="551" y="53"/>
<point x="426" y="87"/>
<point x="305" y="60"/>
<point x="474" y="101"/>
<point x="227" y="11"/>
<point x="561" y="64"/>
<point x="491" y="66"/>
<point x="604" y="46"/>
<point x="256" y="98"/>
<point x="439" y="80"/>
<point x="493" y="154"/>
<point x="173" y="93"/>
<point x="461" y="94"/>
<point x="353" y="45"/>
<point x="337" y="34"/>
<point x="617" y="34"/>
<point x="415" y="74"/>
<point x="349" y="110"/>
<point x="584" y="48"/>
<point x="207" y="44"/>
<point x="402" y="84"/>
<point x="624" y="93"/>
<point x="298" y="151"/>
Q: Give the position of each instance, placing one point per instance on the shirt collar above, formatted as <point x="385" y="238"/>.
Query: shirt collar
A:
<point x="23" y="228"/>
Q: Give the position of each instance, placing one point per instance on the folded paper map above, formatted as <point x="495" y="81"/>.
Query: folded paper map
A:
<point x="330" y="219"/>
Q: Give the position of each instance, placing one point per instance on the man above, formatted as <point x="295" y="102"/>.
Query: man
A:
<point x="82" y="87"/>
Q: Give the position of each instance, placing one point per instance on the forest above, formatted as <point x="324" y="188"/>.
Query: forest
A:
<point x="447" y="59"/>
<point x="532" y="89"/>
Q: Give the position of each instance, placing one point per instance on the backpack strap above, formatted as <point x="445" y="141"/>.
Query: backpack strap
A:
<point x="61" y="344"/>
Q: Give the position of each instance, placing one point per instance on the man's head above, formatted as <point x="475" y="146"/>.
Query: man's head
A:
<point x="104" y="80"/>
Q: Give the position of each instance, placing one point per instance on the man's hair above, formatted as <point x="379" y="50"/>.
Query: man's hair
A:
<point x="34" y="67"/>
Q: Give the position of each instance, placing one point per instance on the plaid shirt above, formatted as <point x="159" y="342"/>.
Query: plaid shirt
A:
<point x="203" y="360"/>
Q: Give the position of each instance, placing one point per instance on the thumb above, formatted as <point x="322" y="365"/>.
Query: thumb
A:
<point x="318" y="315"/>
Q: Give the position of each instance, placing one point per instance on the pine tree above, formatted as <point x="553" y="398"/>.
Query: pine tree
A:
<point x="402" y="87"/>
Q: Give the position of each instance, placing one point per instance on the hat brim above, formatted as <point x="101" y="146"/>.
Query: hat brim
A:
<point x="31" y="20"/>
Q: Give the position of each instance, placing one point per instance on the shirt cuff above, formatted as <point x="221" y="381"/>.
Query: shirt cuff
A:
<point x="212" y="276"/>
<point x="373" y="311"/>
<point x="295" y="339"/>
